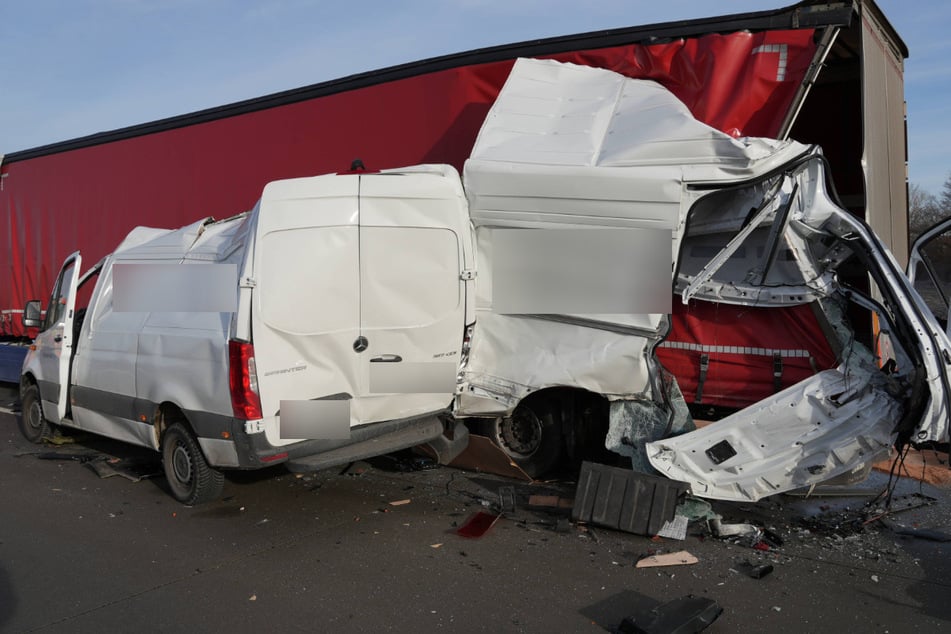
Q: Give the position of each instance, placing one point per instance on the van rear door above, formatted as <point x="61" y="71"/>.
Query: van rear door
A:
<point x="306" y="296"/>
<point x="414" y="244"/>
<point x="358" y="295"/>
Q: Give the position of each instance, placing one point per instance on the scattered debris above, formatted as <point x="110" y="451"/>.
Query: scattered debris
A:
<point x="625" y="500"/>
<point x="132" y="470"/>
<point x="686" y="614"/>
<point x="57" y="455"/>
<point x="675" y="528"/>
<point x="550" y="501"/>
<point x="477" y="525"/>
<point x="400" y="502"/>
<point x="679" y="558"/>
<point x="103" y="465"/>
<point x="754" y="571"/>
<point x="484" y="455"/>
<point x="734" y="530"/>
<point x="439" y="545"/>
<point x="59" y="438"/>
<point x="507" y="499"/>
<point x="696" y="509"/>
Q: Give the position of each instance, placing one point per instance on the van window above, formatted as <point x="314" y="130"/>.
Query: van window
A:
<point x="57" y="306"/>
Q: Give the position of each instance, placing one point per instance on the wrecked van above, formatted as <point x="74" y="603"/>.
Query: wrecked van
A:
<point x="752" y="223"/>
<point x="591" y="197"/>
<point x="322" y="326"/>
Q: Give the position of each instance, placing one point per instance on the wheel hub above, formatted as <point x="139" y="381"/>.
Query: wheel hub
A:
<point x="181" y="464"/>
<point x="35" y="415"/>
<point x="521" y="434"/>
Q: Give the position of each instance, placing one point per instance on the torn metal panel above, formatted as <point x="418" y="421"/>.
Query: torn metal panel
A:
<point x="804" y="435"/>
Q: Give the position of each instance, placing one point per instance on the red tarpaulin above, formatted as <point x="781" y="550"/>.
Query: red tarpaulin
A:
<point x="89" y="198"/>
<point x="751" y="352"/>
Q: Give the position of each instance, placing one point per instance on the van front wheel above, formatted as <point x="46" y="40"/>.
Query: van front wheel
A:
<point x="189" y="477"/>
<point x="33" y="424"/>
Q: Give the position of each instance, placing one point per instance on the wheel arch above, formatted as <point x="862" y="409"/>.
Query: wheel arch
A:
<point x="584" y="416"/>
<point x="166" y="415"/>
<point x="27" y="379"/>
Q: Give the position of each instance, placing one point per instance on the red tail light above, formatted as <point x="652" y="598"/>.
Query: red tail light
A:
<point x="245" y="400"/>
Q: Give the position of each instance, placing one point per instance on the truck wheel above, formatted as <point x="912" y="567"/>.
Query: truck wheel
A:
<point x="33" y="424"/>
<point x="531" y="437"/>
<point x="191" y="479"/>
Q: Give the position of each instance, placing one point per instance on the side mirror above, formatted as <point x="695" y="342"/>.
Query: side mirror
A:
<point x="32" y="314"/>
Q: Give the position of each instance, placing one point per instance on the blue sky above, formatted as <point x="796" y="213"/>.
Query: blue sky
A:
<point x="75" y="67"/>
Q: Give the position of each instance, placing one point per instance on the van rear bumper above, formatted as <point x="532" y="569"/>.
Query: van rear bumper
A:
<point x="374" y="439"/>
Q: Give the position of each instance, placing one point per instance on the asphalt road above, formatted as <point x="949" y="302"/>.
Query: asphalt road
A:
<point x="328" y="553"/>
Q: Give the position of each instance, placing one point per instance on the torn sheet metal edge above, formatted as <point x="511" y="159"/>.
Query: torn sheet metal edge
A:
<point x="798" y="437"/>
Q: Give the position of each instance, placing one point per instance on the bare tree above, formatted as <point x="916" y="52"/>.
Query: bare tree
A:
<point x="945" y="199"/>
<point x="925" y="209"/>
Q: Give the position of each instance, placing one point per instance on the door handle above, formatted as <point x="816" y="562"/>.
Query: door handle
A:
<point x="387" y="358"/>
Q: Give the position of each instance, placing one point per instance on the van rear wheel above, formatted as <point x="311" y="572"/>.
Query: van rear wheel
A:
<point x="189" y="476"/>
<point x="33" y="424"/>
<point x="531" y="436"/>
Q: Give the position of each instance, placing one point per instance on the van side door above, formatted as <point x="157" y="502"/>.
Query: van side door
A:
<point x="929" y="269"/>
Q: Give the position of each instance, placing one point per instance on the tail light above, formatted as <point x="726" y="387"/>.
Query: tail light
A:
<point x="243" y="379"/>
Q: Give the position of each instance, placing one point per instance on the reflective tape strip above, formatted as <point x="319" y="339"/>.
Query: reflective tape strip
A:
<point x="756" y="352"/>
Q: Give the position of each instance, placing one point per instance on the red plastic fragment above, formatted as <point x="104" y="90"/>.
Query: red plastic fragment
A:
<point x="477" y="525"/>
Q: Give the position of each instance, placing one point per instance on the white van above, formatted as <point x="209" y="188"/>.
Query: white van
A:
<point x="339" y="337"/>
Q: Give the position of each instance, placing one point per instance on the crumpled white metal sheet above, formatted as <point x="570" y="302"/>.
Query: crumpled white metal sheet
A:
<point x="804" y="435"/>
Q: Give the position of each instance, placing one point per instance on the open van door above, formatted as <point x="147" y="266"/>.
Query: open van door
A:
<point x="929" y="269"/>
<point x="54" y="344"/>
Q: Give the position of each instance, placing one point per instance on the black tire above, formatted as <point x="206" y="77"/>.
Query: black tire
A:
<point x="189" y="476"/>
<point x="532" y="436"/>
<point x="32" y="422"/>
